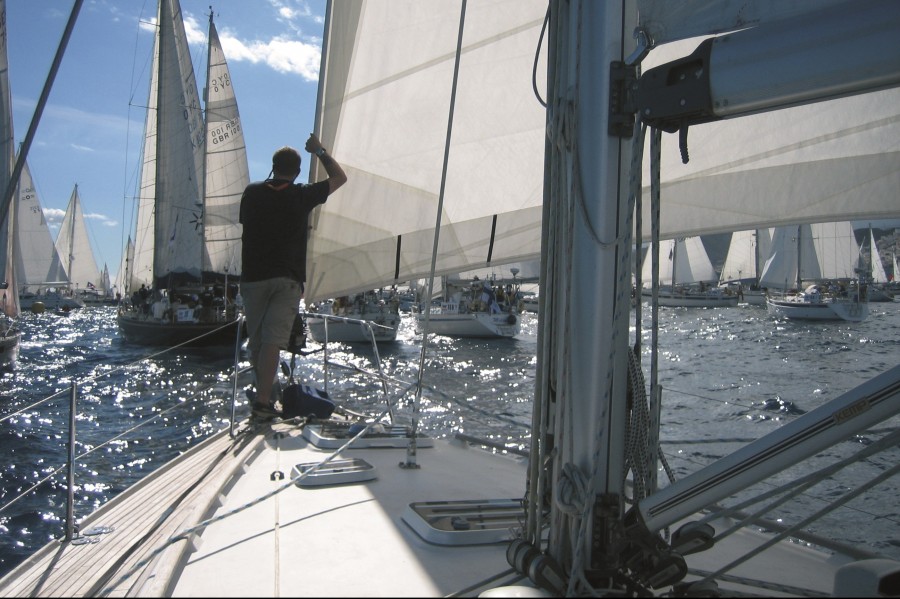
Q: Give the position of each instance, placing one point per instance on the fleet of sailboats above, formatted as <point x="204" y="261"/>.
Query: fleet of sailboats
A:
<point x="585" y="514"/>
<point x="186" y="242"/>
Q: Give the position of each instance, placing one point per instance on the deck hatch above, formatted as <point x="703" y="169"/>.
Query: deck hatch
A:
<point x="336" y="472"/>
<point x="465" y="522"/>
<point x="330" y="435"/>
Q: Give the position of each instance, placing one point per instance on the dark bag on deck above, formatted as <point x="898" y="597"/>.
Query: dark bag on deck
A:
<point x="303" y="400"/>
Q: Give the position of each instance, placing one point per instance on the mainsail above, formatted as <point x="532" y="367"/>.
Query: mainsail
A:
<point x="169" y="236"/>
<point x="822" y="251"/>
<point x="681" y="262"/>
<point x="747" y="253"/>
<point x="193" y="173"/>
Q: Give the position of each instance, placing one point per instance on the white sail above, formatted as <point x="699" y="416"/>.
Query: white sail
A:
<point x="105" y="284"/>
<point x="810" y="253"/>
<point x="379" y="229"/>
<point x="168" y="238"/>
<point x="123" y="274"/>
<point x="686" y="261"/>
<point x="746" y="253"/>
<point x="878" y="273"/>
<point x="227" y="173"/>
<point x="74" y="246"/>
<point x="187" y="221"/>
<point x="37" y="259"/>
<point x="141" y="271"/>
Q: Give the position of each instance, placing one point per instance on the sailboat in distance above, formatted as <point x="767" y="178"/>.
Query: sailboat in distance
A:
<point x="815" y="267"/>
<point x="41" y="274"/>
<point x="746" y="256"/>
<point x="74" y="247"/>
<point x="686" y="276"/>
<point x="183" y="278"/>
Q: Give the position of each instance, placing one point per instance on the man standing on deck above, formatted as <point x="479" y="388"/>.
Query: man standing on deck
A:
<point x="275" y="215"/>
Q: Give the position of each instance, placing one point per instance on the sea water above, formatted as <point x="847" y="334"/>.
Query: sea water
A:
<point x="729" y="376"/>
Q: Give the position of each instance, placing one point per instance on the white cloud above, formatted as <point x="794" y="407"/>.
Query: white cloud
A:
<point x="54" y="216"/>
<point x="196" y="34"/>
<point x="285" y="53"/>
<point x="281" y="54"/>
<point x="102" y="219"/>
<point x="81" y="148"/>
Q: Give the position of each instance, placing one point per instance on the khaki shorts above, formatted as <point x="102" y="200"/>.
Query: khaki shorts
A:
<point x="270" y="307"/>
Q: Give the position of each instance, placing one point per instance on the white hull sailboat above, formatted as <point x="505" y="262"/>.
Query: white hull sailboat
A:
<point x="74" y="247"/>
<point x="192" y="165"/>
<point x="264" y="510"/>
<point x="42" y="278"/>
<point x="480" y="309"/>
<point x="815" y="267"/>
<point x="747" y="253"/>
<point x="685" y="277"/>
<point x="344" y="319"/>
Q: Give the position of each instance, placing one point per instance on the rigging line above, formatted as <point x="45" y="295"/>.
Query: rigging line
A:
<point x="537" y="54"/>
<point x="411" y="450"/>
<point x="105" y="443"/>
<point x="38" y="111"/>
<point x="803" y="523"/>
<point x="812" y="478"/>
<point x="733" y="509"/>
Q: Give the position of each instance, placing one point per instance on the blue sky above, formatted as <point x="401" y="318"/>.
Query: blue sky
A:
<point x="90" y="131"/>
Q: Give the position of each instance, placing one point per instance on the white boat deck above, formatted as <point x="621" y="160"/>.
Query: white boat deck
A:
<point x="292" y="543"/>
<point x="346" y="536"/>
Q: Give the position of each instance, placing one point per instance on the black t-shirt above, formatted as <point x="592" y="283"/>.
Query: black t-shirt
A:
<point x="275" y="216"/>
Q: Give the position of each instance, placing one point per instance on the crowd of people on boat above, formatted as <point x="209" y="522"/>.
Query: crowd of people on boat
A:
<point x="180" y="305"/>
